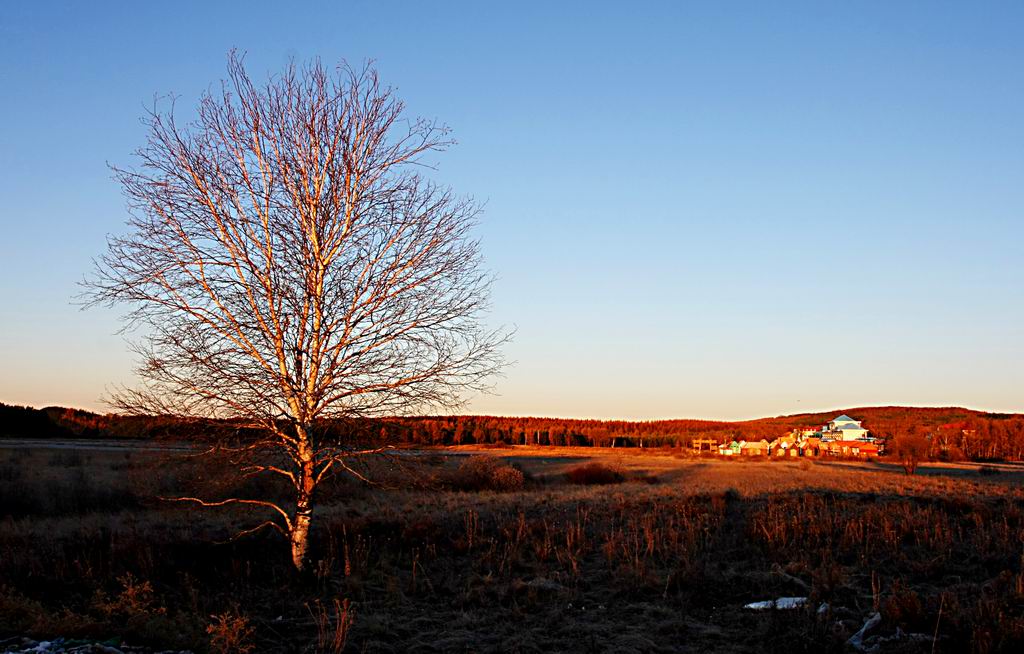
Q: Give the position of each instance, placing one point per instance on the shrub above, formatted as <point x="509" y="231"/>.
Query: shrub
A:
<point x="230" y="633"/>
<point x="506" y="478"/>
<point x="593" y="474"/>
<point x="485" y="473"/>
<point x="136" y="597"/>
<point x="911" y="449"/>
<point x="904" y="607"/>
<point x="17" y="612"/>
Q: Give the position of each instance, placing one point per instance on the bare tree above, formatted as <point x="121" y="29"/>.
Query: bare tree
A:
<point x="288" y="264"/>
<point x="912" y="447"/>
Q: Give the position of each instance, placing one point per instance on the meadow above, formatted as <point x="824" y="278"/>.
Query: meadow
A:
<point x="521" y="549"/>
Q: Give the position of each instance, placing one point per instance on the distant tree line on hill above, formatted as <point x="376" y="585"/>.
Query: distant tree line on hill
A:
<point x="951" y="433"/>
<point x="60" y="422"/>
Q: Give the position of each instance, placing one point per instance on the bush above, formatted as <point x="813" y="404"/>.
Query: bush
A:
<point x="594" y="474"/>
<point x="904" y="607"/>
<point x="506" y="478"/>
<point x="230" y="633"/>
<point x="911" y="449"/>
<point x="485" y="473"/>
<point x="136" y="597"/>
<point x="17" y="612"/>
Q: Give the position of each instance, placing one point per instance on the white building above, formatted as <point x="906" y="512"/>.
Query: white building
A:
<point x="844" y="428"/>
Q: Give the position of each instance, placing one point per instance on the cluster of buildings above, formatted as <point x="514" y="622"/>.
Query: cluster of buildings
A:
<point x="842" y="436"/>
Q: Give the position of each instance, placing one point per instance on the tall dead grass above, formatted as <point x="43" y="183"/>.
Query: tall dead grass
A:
<point x="633" y="565"/>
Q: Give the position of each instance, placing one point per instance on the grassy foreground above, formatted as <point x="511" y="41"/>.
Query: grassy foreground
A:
<point x="648" y="553"/>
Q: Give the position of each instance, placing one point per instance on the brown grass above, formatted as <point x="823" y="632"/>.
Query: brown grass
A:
<point x="542" y="566"/>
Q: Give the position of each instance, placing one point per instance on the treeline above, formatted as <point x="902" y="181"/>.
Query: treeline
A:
<point x="64" y="423"/>
<point x="461" y="430"/>
<point x="952" y="433"/>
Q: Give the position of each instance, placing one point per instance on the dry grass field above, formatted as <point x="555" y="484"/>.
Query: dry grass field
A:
<point x="520" y="550"/>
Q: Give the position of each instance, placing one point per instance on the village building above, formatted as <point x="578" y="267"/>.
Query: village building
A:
<point x="843" y="428"/>
<point x="810" y="447"/>
<point x="755" y="448"/>
<point x="842" y="436"/>
<point x="851" y="448"/>
<point x="784" y="446"/>
<point x="729" y="449"/>
<point x="745" y="448"/>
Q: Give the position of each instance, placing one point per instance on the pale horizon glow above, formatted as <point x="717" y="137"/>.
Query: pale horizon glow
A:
<point x="719" y="211"/>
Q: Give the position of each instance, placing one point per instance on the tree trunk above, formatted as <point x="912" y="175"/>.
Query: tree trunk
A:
<point x="299" y="535"/>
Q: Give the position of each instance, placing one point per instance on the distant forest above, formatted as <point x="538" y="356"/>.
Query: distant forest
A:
<point x="953" y="433"/>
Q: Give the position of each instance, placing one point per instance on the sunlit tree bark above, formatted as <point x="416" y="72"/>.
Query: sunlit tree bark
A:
<point x="288" y="263"/>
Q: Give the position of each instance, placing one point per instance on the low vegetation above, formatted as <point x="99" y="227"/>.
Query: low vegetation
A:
<point x="594" y="473"/>
<point x="498" y="551"/>
<point x="483" y="473"/>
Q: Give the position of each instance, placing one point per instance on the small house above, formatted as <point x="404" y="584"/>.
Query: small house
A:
<point x="729" y="449"/>
<point x="800" y="433"/>
<point x="755" y="448"/>
<point x="859" y="448"/>
<point x="810" y="447"/>
<point x="784" y="446"/>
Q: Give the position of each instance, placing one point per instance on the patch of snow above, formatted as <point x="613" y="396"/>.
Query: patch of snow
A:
<point x="783" y="603"/>
<point x="857" y="640"/>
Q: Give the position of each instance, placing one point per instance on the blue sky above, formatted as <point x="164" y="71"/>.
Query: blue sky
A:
<point x="694" y="209"/>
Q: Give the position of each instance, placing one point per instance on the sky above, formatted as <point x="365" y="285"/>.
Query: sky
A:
<point x="715" y="210"/>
